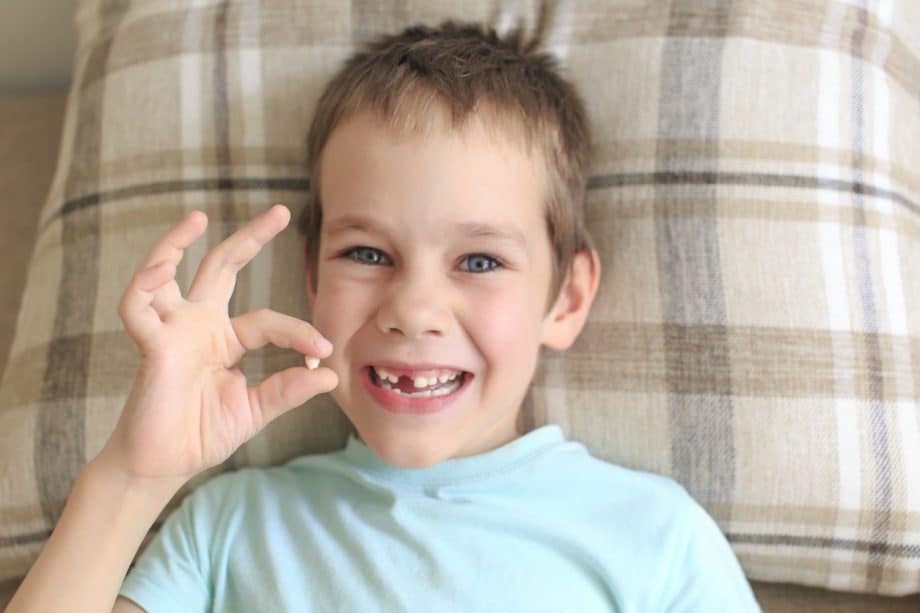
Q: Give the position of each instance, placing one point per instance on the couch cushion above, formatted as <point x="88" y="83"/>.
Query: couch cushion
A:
<point x="755" y="198"/>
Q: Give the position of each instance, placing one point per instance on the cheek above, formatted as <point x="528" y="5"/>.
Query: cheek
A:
<point x="505" y="326"/>
<point x="339" y="308"/>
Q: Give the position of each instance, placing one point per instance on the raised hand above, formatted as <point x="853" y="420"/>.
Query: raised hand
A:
<point x="190" y="408"/>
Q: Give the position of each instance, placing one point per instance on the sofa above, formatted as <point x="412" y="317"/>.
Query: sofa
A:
<point x="31" y="128"/>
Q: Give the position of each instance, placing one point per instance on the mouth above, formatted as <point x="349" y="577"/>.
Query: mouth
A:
<point x="430" y="383"/>
<point x="415" y="390"/>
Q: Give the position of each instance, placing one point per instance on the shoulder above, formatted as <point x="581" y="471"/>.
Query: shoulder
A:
<point x="224" y="507"/>
<point x="641" y="507"/>
<point x="620" y="486"/>
<point x="251" y="487"/>
<point x="245" y="481"/>
<point x="668" y="532"/>
<point x="627" y="508"/>
<point x="231" y="493"/>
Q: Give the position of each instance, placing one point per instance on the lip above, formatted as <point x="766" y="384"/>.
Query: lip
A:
<point x="404" y="405"/>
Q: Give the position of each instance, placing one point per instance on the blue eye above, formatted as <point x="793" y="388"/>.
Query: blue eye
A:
<point x="366" y="255"/>
<point x="369" y="256"/>
<point x="480" y="262"/>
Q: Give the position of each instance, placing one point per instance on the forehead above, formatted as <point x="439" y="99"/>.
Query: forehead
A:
<point x="469" y="176"/>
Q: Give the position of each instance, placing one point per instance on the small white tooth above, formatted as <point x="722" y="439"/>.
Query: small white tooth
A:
<point x="381" y="373"/>
<point x="312" y="363"/>
<point x="443" y="378"/>
<point x="385" y="385"/>
<point x="421" y="382"/>
<point x="425" y="394"/>
<point x="392" y="378"/>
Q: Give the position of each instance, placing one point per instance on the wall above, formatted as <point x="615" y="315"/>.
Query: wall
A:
<point x="36" y="45"/>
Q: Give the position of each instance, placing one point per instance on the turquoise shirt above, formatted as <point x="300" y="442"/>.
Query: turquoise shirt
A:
<point x="536" y="525"/>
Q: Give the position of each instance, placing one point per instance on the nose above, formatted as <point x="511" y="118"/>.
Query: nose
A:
<point x="413" y="306"/>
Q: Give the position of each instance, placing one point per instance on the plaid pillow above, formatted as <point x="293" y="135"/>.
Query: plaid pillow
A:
<point x="755" y="197"/>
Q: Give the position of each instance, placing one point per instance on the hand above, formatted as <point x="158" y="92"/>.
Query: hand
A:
<point x="190" y="408"/>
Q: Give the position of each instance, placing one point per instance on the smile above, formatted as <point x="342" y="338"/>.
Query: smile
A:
<point x="415" y="392"/>
<point x="437" y="384"/>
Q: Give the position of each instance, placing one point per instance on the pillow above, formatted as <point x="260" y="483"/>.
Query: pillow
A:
<point x="755" y="197"/>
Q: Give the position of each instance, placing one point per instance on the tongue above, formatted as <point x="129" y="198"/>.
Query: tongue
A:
<point x="406" y="385"/>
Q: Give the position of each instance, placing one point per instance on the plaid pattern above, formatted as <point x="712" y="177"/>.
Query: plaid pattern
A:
<point x="755" y="197"/>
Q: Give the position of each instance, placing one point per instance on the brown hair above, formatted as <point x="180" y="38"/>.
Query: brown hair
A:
<point x="410" y="79"/>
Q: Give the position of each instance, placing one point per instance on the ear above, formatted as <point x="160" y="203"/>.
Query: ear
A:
<point x="308" y="275"/>
<point x="567" y="317"/>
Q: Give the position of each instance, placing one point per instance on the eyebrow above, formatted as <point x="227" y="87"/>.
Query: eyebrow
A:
<point x="472" y="229"/>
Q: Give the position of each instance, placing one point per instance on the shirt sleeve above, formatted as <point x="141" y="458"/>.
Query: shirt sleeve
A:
<point x="707" y="575"/>
<point x="172" y="573"/>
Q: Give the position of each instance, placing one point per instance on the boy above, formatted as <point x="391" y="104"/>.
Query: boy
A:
<point x="444" y="245"/>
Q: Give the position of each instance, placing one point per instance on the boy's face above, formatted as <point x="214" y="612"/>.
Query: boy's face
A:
<point x="408" y="278"/>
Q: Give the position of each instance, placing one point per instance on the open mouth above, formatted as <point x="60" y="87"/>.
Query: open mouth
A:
<point x="438" y="384"/>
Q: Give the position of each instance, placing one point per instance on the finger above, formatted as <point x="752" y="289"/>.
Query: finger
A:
<point x="141" y="319"/>
<point x="171" y="245"/>
<point x="216" y="276"/>
<point x="168" y="297"/>
<point x="287" y="389"/>
<point x="258" y="328"/>
<point x="170" y="248"/>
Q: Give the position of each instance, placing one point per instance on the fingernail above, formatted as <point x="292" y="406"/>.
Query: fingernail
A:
<point x="322" y="344"/>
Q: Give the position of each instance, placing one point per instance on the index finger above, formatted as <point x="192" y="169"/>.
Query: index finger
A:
<point x="216" y="276"/>
<point x="171" y="245"/>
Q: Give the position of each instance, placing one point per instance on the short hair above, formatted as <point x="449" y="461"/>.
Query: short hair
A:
<point x="410" y="79"/>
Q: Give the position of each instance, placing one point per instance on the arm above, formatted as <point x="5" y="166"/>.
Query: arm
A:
<point x="190" y="408"/>
<point x="85" y="560"/>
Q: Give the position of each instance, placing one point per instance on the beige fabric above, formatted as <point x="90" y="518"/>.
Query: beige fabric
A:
<point x="30" y="134"/>
<point x="755" y="199"/>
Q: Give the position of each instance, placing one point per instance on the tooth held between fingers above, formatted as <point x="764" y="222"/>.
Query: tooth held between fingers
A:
<point x="312" y="363"/>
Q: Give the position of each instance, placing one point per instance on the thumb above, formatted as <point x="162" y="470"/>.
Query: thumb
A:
<point x="289" y="388"/>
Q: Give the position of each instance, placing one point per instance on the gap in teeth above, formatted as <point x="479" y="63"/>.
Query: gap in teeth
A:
<point x="440" y="391"/>
<point x="453" y="381"/>
<point x="419" y="382"/>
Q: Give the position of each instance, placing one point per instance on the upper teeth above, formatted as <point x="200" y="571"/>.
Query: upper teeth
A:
<point x="417" y="381"/>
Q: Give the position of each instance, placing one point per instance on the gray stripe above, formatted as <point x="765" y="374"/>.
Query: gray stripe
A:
<point x="901" y="550"/>
<point x="689" y="266"/>
<point x="229" y="218"/>
<point x="222" y="120"/>
<point x="296" y="184"/>
<point x="59" y="452"/>
<point x="168" y="187"/>
<point x="683" y="177"/>
<point x="881" y="502"/>
<point x="222" y="124"/>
